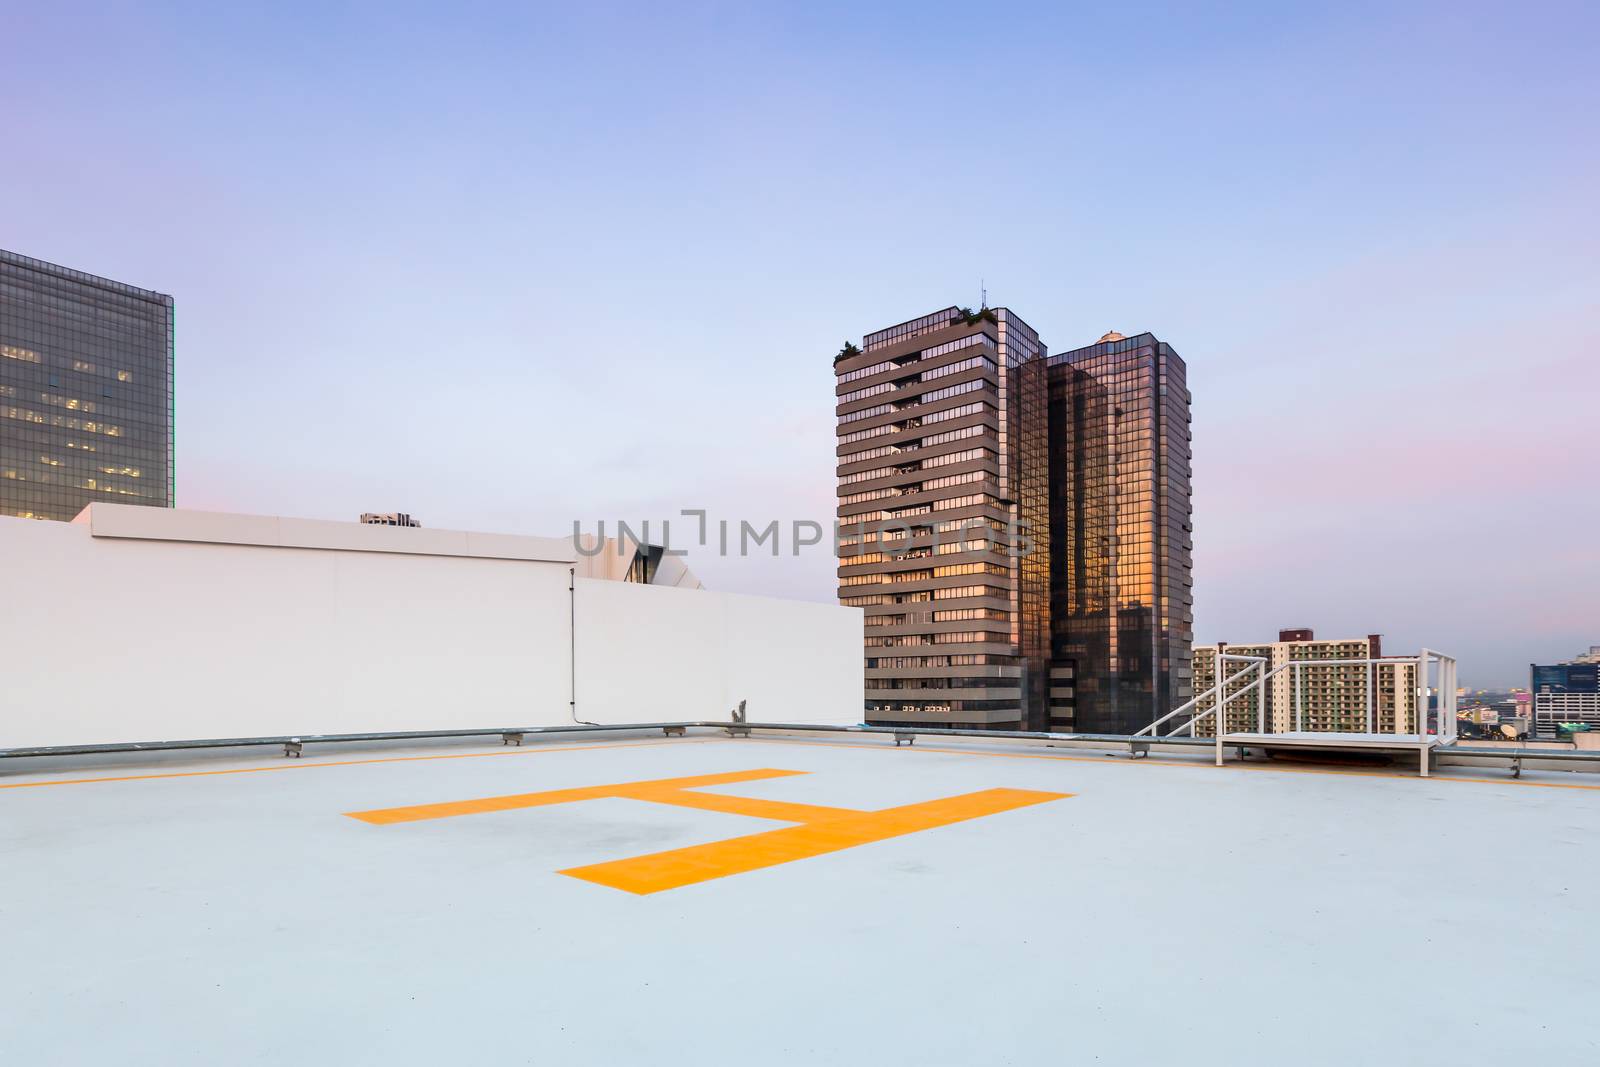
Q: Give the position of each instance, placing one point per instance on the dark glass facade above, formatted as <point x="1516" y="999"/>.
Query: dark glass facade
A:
<point x="1029" y="496"/>
<point x="1564" y="677"/>
<point x="1565" y="695"/>
<point x="1122" y="605"/>
<point x="85" y="391"/>
<point x="956" y="422"/>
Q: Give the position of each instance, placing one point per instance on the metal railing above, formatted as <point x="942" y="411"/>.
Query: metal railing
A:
<point x="1137" y="743"/>
<point x="513" y="735"/>
<point x="1426" y="666"/>
<point x="1257" y="664"/>
<point x="505" y="733"/>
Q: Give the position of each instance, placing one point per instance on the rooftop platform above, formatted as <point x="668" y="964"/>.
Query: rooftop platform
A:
<point x="1350" y="741"/>
<point x="790" y="899"/>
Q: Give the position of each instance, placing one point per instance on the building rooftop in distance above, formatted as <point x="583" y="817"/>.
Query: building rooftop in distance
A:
<point x="785" y="899"/>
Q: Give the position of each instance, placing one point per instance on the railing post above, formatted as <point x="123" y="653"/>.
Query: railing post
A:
<point x="1454" y="699"/>
<point x="1217" y="713"/>
<point x="1444" y="680"/>
<point x="1454" y="696"/>
<point x="1420" y="701"/>
<point x="1299" y="699"/>
<point x="1366" y="678"/>
<point x="1261" y="698"/>
<point x="1447" y="693"/>
<point x="1419" y="714"/>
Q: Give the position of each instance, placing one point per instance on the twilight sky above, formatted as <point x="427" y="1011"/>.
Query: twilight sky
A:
<point x="505" y="265"/>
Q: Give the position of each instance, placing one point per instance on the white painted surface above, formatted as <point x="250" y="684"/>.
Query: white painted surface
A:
<point x="1326" y="919"/>
<point x="648" y="653"/>
<point x="133" y="637"/>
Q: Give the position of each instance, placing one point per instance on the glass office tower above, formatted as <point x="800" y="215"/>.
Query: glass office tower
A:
<point x="1122" y="604"/>
<point x="960" y="436"/>
<point x="85" y="391"/>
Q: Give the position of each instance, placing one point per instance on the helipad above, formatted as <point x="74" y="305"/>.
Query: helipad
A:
<point x="780" y="899"/>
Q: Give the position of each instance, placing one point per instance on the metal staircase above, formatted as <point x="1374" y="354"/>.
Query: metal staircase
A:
<point x="1285" y="687"/>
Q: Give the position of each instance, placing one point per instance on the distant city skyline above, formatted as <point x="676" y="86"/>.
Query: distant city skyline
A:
<point x="512" y="267"/>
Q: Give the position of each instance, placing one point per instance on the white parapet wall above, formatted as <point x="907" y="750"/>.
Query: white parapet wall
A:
<point x="144" y="625"/>
<point x="649" y="653"/>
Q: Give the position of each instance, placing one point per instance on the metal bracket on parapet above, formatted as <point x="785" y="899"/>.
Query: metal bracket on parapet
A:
<point x="674" y="731"/>
<point x="292" y="748"/>
<point x="511" y="737"/>
<point x="900" y="736"/>
<point x="1138" y="750"/>
<point x="1516" y="766"/>
<point x="738" y="729"/>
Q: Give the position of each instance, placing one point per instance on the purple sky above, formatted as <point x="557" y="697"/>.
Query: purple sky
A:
<point x="501" y="266"/>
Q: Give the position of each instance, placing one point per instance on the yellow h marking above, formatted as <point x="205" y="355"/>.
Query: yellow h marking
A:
<point x="820" y="829"/>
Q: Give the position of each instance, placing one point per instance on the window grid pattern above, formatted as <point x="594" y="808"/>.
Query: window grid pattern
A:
<point x="86" y="368"/>
<point x="867" y="413"/>
<point x="953" y="390"/>
<point x="976" y="362"/>
<point x="1121" y="596"/>
<point x="862" y="435"/>
<point x="958" y="457"/>
<point x="955" y="413"/>
<point x="939" y="320"/>
<point x="955" y="435"/>
<point x="871" y="390"/>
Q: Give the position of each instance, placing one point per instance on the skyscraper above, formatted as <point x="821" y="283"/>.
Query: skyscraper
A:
<point x="85" y="391"/>
<point x="962" y="444"/>
<point x="927" y="471"/>
<point x="1122" y="606"/>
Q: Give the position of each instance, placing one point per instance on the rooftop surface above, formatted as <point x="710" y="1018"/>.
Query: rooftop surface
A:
<point x="711" y="900"/>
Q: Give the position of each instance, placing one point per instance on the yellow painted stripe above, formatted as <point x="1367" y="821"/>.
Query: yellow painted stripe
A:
<point x="821" y="830"/>
<point x="306" y="765"/>
<point x="780" y="810"/>
<point x="636" y="790"/>
<point x="718" y="859"/>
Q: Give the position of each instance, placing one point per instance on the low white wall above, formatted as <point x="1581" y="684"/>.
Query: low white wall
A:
<point x="658" y="653"/>
<point x="107" y="640"/>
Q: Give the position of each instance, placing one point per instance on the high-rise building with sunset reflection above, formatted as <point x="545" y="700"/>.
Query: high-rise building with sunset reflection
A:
<point x="959" y="436"/>
<point x="85" y="391"/>
<point x="1121" y="585"/>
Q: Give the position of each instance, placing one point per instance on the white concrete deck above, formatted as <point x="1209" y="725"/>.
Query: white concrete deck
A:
<point x="1350" y="741"/>
<point x="1379" y="742"/>
<point x="227" y="909"/>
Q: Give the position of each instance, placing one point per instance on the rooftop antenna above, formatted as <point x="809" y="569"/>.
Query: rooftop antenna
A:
<point x="983" y="295"/>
